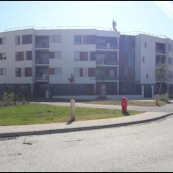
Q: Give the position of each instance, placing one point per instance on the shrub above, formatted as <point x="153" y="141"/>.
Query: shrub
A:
<point x="8" y="98"/>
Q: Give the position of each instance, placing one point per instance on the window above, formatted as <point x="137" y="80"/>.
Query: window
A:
<point x="81" y="56"/>
<point x="27" y="39"/>
<point x="17" y="40"/>
<point x="3" y="56"/>
<point x="42" y="41"/>
<point x="51" y="71"/>
<point x="147" y="76"/>
<point x="55" y="55"/>
<point x="29" y="55"/>
<point x="91" y="72"/>
<point x="79" y="72"/>
<point x="18" y="72"/>
<point x="143" y="59"/>
<point x="92" y="56"/>
<point x="19" y="56"/>
<point x="3" y="71"/>
<point x="89" y="39"/>
<point x="55" y="39"/>
<point x="160" y="48"/>
<point x="169" y="47"/>
<point x="169" y="74"/>
<point x="55" y="71"/>
<point x="78" y="39"/>
<point x="2" y="40"/>
<point x="145" y="44"/>
<point x="28" y="72"/>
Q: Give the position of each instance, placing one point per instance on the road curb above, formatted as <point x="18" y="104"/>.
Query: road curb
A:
<point x="68" y="130"/>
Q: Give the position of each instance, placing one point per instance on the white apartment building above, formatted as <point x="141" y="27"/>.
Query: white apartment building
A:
<point x="150" y="52"/>
<point x="100" y="61"/>
<point x="44" y="60"/>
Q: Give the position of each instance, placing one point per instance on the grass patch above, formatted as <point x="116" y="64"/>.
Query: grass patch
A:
<point x="43" y="114"/>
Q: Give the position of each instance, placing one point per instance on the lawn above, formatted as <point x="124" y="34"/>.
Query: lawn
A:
<point x="42" y="114"/>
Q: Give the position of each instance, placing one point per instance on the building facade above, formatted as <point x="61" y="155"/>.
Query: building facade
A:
<point x="45" y="60"/>
<point x="151" y="52"/>
<point x="82" y="62"/>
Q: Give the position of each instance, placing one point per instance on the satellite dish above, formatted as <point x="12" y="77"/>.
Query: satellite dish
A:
<point x="114" y="24"/>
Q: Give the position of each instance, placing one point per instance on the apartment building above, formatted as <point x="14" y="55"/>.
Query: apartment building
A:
<point x="150" y="52"/>
<point x="36" y="61"/>
<point x="101" y="62"/>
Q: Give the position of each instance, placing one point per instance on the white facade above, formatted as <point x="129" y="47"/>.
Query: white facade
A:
<point x="61" y="43"/>
<point x="147" y="55"/>
<point x="48" y="59"/>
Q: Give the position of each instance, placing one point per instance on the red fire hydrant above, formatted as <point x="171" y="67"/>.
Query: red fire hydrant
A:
<point x="124" y="103"/>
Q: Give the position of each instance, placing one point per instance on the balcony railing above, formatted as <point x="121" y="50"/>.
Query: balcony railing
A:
<point x="106" y="78"/>
<point x="160" y="51"/>
<point x="106" y="46"/>
<point x="42" y="45"/>
<point x="42" y="77"/>
<point x="106" y="62"/>
<point x="42" y="61"/>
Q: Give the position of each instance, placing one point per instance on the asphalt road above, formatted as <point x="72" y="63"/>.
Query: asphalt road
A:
<point x="144" y="148"/>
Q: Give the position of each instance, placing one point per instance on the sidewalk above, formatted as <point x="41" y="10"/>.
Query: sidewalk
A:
<point x="41" y="129"/>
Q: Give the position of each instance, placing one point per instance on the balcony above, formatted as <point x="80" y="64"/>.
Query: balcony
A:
<point x="42" y="77"/>
<point x="160" y="60"/>
<point x="42" y="57"/>
<point x="106" y="46"/>
<point x="160" y="48"/>
<point x="42" y="74"/>
<point x="106" y="78"/>
<point x="42" y="61"/>
<point x="106" y="73"/>
<point x="42" y="42"/>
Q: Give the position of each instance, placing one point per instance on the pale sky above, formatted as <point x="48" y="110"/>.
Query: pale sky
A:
<point x="155" y="17"/>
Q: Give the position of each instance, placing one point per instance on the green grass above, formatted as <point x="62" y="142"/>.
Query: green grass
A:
<point x="43" y="114"/>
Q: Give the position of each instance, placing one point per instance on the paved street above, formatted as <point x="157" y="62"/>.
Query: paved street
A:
<point x="146" y="147"/>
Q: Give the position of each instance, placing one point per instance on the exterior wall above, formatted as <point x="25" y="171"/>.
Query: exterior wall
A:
<point x="66" y="63"/>
<point x="148" y="51"/>
<point x="131" y="55"/>
<point x="146" y="63"/>
<point x="10" y="64"/>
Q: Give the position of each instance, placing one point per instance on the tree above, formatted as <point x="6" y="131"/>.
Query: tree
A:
<point x="71" y="79"/>
<point x="161" y="75"/>
<point x="101" y="76"/>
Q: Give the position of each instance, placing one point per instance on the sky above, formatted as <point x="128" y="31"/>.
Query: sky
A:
<point x="154" y="17"/>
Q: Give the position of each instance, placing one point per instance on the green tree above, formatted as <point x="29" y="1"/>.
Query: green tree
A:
<point x="161" y="75"/>
<point x="101" y="76"/>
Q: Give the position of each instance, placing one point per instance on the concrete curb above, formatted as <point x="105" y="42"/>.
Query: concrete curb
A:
<point x="67" y="130"/>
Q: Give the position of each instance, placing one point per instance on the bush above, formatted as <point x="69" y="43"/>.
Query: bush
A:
<point x="165" y="97"/>
<point x="8" y="99"/>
